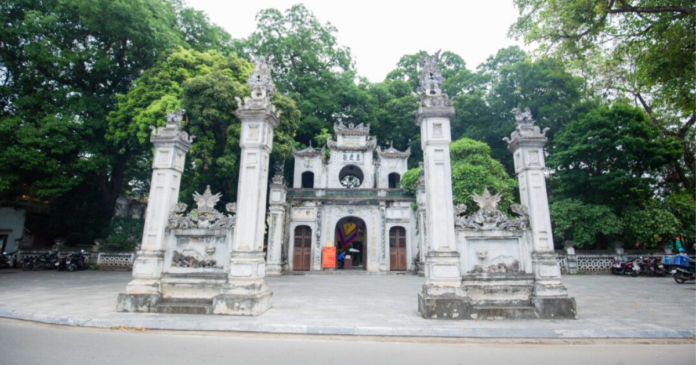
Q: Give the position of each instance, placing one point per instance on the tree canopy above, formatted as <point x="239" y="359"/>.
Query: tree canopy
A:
<point x="640" y="50"/>
<point x="84" y="80"/>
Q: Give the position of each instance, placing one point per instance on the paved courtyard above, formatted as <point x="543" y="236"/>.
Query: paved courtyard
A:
<point x="608" y="306"/>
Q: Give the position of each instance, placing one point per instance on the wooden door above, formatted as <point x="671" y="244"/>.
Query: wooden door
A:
<point x="397" y="249"/>
<point x="302" y="257"/>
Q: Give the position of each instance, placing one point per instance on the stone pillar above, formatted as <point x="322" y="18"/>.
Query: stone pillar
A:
<point x="246" y="292"/>
<point x="171" y="145"/>
<point x="276" y="225"/>
<point x="571" y="257"/>
<point x="527" y="146"/>
<point x="443" y="295"/>
<point x="420" y="213"/>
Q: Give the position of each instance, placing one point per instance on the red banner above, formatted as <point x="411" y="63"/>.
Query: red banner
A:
<point x="328" y="257"/>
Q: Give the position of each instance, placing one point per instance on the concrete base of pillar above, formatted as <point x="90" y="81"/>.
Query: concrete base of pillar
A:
<point x="555" y="308"/>
<point x="446" y="306"/>
<point x="554" y="289"/>
<point x="274" y="270"/>
<point x="137" y="302"/>
<point x="242" y="305"/>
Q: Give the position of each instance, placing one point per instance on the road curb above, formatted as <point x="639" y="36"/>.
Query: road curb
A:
<point x="163" y="323"/>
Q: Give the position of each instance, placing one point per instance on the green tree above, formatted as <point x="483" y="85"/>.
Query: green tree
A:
<point x="512" y="80"/>
<point x="640" y="50"/>
<point x="310" y="67"/>
<point x="573" y="220"/>
<point x="205" y="84"/>
<point x="683" y="207"/>
<point x="610" y="156"/>
<point x="473" y="170"/>
<point x="390" y="110"/>
<point x="62" y="63"/>
<point x="645" y="224"/>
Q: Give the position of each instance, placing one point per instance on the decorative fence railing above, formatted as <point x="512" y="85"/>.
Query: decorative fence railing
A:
<point x="22" y="254"/>
<point x="105" y="260"/>
<point x="116" y="260"/>
<point x="599" y="263"/>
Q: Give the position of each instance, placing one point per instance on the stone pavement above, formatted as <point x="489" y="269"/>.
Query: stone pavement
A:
<point x="368" y="305"/>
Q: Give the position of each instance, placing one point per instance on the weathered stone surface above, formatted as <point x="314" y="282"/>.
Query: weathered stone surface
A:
<point x="137" y="302"/>
<point x="242" y="305"/>
<point x="555" y="308"/>
<point x="446" y="306"/>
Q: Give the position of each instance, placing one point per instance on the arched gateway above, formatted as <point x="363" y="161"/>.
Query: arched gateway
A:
<point x="353" y="204"/>
<point x="351" y="240"/>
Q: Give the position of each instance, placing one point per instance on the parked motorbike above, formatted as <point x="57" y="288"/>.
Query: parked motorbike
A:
<point x="684" y="269"/>
<point x="657" y="268"/>
<point x="27" y="263"/>
<point x="72" y="262"/>
<point x="8" y="259"/>
<point x="643" y="266"/>
<point x="46" y="261"/>
<point x="624" y="268"/>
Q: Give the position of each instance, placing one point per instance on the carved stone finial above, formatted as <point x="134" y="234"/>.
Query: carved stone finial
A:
<point x="279" y="167"/>
<point x="260" y="81"/>
<point x="175" y="117"/>
<point x="430" y="81"/>
<point x="172" y="129"/>
<point x="525" y="127"/>
<point x="261" y="84"/>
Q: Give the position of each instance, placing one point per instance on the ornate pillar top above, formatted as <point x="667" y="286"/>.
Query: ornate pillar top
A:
<point x="172" y="132"/>
<point x="278" y="178"/>
<point x="525" y="131"/>
<point x="260" y="82"/>
<point x="433" y="103"/>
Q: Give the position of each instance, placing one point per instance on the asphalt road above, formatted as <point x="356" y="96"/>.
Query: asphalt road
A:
<point x="33" y="343"/>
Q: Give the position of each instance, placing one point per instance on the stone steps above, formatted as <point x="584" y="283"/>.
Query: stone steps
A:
<point x="184" y="306"/>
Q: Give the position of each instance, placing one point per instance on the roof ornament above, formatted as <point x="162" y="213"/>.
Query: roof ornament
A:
<point x="525" y="127"/>
<point x="172" y="130"/>
<point x="488" y="217"/>
<point x="430" y="81"/>
<point x="260" y="82"/>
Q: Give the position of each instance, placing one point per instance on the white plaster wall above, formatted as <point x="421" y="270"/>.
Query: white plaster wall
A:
<point x="518" y="243"/>
<point x="304" y="164"/>
<point x="337" y="163"/>
<point x="388" y="166"/>
<point x="12" y="224"/>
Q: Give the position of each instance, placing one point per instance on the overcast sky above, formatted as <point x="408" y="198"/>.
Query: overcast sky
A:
<point x="380" y="32"/>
